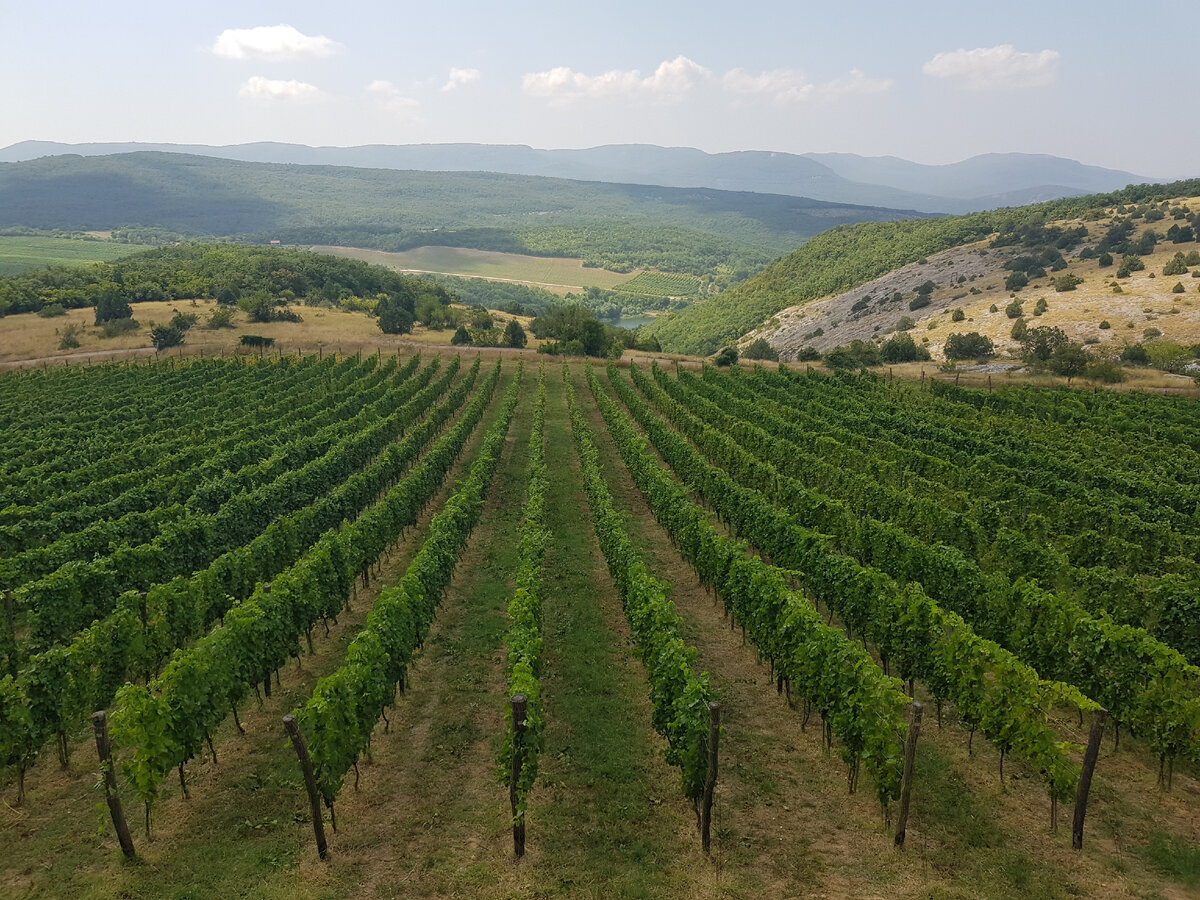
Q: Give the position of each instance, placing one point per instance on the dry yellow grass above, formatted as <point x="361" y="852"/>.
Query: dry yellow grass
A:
<point x="27" y="339"/>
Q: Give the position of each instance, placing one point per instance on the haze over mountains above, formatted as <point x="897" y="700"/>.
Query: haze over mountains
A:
<point x="981" y="182"/>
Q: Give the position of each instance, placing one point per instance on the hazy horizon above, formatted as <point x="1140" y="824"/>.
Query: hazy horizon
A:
<point x="935" y="83"/>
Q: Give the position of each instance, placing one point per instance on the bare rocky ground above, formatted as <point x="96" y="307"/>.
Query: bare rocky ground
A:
<point x="971" y="278"/>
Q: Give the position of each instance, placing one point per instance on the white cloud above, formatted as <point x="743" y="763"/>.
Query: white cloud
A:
<point x="995" y="68"/>
<point x="272" y="43"/>
<point x="259" y="88"/>
<point x="672" y="78"/>
<point x="392" y="98"/>
<point x="461" y="78"/>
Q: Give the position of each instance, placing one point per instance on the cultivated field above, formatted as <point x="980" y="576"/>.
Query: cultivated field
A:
<point x="17" y="254"/>
<point x="439" y="532"/>
<point x="559" y="275"/>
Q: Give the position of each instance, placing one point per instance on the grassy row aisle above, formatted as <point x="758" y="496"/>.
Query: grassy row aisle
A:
<point x="244" y="831"/>
<point x="606" y="816"/>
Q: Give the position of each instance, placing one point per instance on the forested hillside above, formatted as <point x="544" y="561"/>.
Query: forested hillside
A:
<point x="697" y="231"/>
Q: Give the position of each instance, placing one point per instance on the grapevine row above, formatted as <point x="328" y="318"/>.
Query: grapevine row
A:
<point x="524" y="638"/>
<point x="341" y="715"/>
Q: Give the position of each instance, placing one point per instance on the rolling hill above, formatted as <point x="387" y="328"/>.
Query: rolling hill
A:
<point x="846" y="259"/>
<point x="700" y="231"/>
<point x="982" y="182"/>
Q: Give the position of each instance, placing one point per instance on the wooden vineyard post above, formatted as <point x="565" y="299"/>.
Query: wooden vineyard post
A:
<point x="310" y="782"/>
<point x="910" y="756"/>
<point x="1085" y="776"/>
<point x="710" y="781"/>
<point x="104" y="749"/>
<point x="518" y="704"/>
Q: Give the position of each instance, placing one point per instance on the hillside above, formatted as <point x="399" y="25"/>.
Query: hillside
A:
<point x="848" y="258"/>
<point x="982" y="182"/>
<point x="699" y="231"/>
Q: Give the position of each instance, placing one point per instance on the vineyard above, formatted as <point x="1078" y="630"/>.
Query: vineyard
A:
<point x="438" y="626"/>
<point x="662" y="284"/>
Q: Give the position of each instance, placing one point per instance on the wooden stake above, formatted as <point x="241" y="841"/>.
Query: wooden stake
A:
<point x="710" y="781"/>
<point x="910" y="756"/>
<point x="1085" y="776"/>
<point x="104" y="749"/>
<point x="310" y="782"/>
<point x="518" y="704"/>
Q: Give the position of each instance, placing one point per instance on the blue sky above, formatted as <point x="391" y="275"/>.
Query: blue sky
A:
<point x="1107" y="83"/>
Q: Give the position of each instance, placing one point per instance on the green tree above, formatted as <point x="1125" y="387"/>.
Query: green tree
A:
<point x="462" y="336"/>
<point x="760" y="349"/>
<point x="394" y="317"/>
<point x="727" y="357"/>
<point x="1042" y="343"/>
<point x="110" y="307"/>
<point x="1013" y="310"/>
<point x="1070" y="360"/>
<point x="901" y="348"/>
<point x="971" y="345"/>
<point x="164" y="336"/>
<point x="514" y="334"/>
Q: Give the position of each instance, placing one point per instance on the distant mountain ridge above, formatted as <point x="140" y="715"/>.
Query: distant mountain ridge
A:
<point x="981" y="182"/>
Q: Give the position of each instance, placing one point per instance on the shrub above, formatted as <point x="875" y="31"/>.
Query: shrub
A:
<point x="727" y="356"/>
<point x="1019" y="329"/>
<point x="256" y="340"/>
<point x="1178" y="289"/>
<point x="957" y="315"/>
<point x="971" y="345"/>
<point x="808" y="354"/>
<point x="856" y="355"/>
<point x="222" y="317"/>
<point x="1105" y="325"/>
<point x="1013" y="310"/>
<point x="1104" y="370"/>
<point x="1136" y="354"/>
<point x="1193" y="258"/>
<point x="1177" y="265"/>
<point x="51" y="310"/>
<point x="1169" y="356"/>
<point x="69" y="338"/>
<point x="1041" y="306"/>
<point x="860" y="305"/>
<point x="183" y="321"/>
<point x="760" y="349"/>
<point x="1065" y="283"/>
<point x="902" y="348"/>
<point x="117" y="327"/>
<point x="165" y="336"/>
<point x="906" y="323"/>
<point x="1016" y="281"/>
<point x="461" y="336"/>
<point x="919" y="302"/>
<point x="1151" y="333"/>
<point x="1105" y="260"/>
<point x="993" y="308"/>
